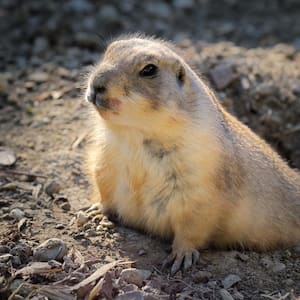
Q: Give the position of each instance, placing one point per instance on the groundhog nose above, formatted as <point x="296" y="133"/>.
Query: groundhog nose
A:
<point x="95" y="93"/>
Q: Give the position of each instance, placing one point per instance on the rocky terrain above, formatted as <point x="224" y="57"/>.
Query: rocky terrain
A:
<point x="53" y="244"/>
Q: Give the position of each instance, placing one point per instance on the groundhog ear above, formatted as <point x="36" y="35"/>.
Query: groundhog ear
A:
<point x="181" y="75"/>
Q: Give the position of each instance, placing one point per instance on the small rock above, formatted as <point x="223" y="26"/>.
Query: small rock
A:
<point x="4" y="249"/>
<point x="135" y="276"/>
<point x="142" y="252"/>
<point x="81" y="219"/>
<point x="5" y="258"/>
<point x="7" y="157"/>
<point x="265" y="89"/>
<point x="51" y="249"/>
<point x="278" y="267"/>
<point x="238" y="296"/>
<point x="108" y="224"/>
<point x="60" y="226"/>
<point x="3" y="84"/>
<point x="242" y="256"/>
<point x="52" y="188"/>
<point x="40" y="45"/>
<point x="296" y="249"/>
<point x="23" y="251"/>
<point x="86" y="40"/>
<point x="135" y="295"/>
<point x="39" y="77"/>
<point x="289" y="282"/>
<point x="230" y="280"/>
<point x="65" y="206"/>
<point x="16" y="261"/>
<point x="129" y="288"/>
<point x="17" y="214"/>
<point x="184" y="4"/>
<point x="108" y="13"/>
<point x="202" y="276"/>
<point x="225" y="295"/>
<point x="222" y="76"/>
<point x="266" y="262"/>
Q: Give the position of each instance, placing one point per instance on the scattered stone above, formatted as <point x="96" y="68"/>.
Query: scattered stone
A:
<point x="5" y="258"/>
<point x="230" y="280"/>
<point x="242" y="256"/>
<point x="184" y="4"/>
<point x="86" y="40"/>
<point x="289" y="282"/>
<point x="135" y="276"/>
<point x="222" y="76"/>
<point x="7" y="157"/>
<point x="39" y="77"/>
<point x="202" y="276"/>
<point x="4" y="249"/>
<point x="3" y="83"/>
<point x="265" y="89"/>
<point x="129" y="288"/>
<point x="142" y="252"/>
<point x="134" y="295"/>
<point x="238" y="296"/>
<point x="65" y="206"/>
<point x="17" y="214"/>
<point x="108" y="224"/>
<point x="266" y="262"/>
<point x="60" y="226"/>
<point x="81" y="219"/>
<point x="225" y="295"/>
<point x="278" y="267"/>
<point x="52" y="188"/>
<point x="51" y="249"/>
<point x="23" y="251"/>
<point x="16" y="261"/>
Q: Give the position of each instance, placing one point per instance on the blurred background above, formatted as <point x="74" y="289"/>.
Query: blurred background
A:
<point x="34" y="26"/>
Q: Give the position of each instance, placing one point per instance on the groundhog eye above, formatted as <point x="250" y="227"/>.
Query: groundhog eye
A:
<point x="149" y="71"/>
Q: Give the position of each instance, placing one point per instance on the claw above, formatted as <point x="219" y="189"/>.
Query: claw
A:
<point x="181" y="260"/>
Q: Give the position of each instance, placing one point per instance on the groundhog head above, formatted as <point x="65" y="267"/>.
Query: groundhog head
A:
<point x="141" y="82"/>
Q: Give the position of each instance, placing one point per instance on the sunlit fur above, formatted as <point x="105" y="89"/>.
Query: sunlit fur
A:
<point x="173" y="162"/>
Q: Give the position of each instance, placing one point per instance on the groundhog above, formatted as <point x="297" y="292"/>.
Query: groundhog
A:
<point x="167" y="158"/>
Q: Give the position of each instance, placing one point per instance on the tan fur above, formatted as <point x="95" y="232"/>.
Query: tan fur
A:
<point x="172" y="161"/>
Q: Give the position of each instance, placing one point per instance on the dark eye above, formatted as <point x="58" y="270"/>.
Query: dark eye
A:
<point x="149" y="71"/>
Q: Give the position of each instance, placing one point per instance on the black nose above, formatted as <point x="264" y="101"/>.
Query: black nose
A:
<point x="95" y="92"/>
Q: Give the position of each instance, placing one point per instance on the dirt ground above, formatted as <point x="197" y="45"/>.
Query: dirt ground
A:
<point x="44" y="194"/>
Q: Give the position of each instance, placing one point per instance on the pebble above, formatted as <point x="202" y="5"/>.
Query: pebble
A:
<point x="184" y="4"/>
<point x="278" y="267"/>
<point x="65" y="206"/>
<point x="230" y="280"/>
<point x="134" y="295"/>
<point x="4" y="249"/>
<point x="7" y="157"/>
<point x="202" y="277"/>
<point x="222" y="76"/>
<point x="23" y="251"/>
<point x="17" y="214"/>
<point x="60" y="226"/>
<point x="51" y="249"/>
<point x="39" y="77"/>
<point x="266" y="262"/>
<point x="107" y="224"/>
<point x="3" y="83"/>
<point x="242" y="256"/>
<point x="5" y="258"/>
<point x="225" y="295"/>
<point x="135" y="276"/>
<point x="142" y="252"/>
<point x="81" y="219"/>
<point x="52" y="188"/>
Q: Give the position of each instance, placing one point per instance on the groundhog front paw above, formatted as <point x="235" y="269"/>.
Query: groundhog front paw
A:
<point x="180" y="259"/>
